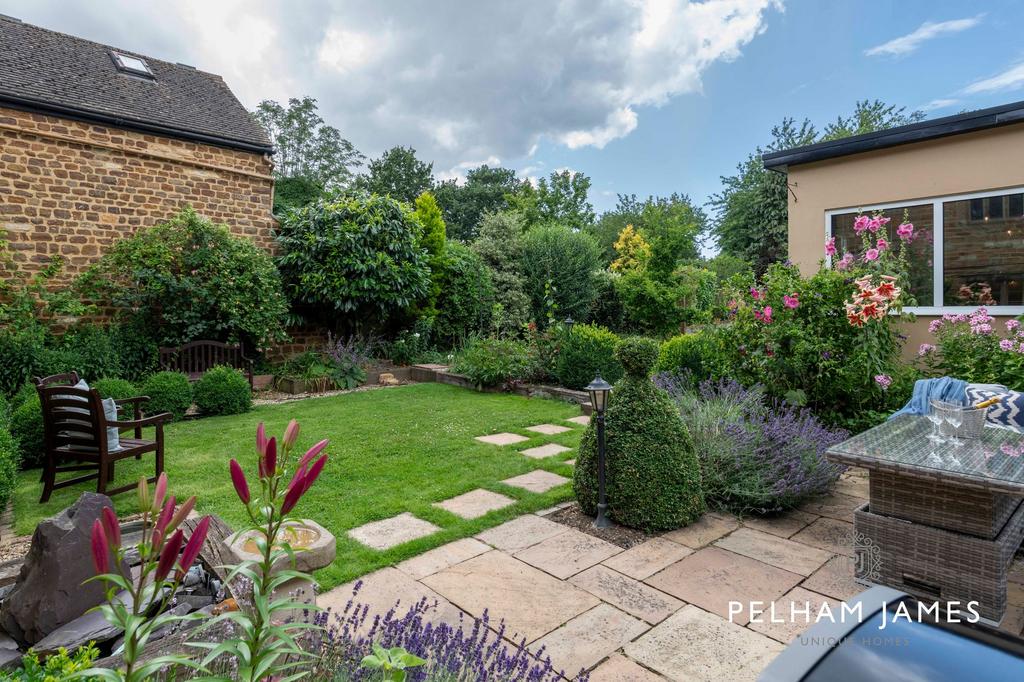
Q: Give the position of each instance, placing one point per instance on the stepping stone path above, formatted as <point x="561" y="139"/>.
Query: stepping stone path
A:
<point x="392" y="532"/>
<point x="542" y="451"/>
<point x="502" y="439"/>
<point x="582" y="420"/>
<point x="548" y="429"/>
<point x="475" y="503"/>
<point x="655" y="611"/>
<point x="537" y="481"/>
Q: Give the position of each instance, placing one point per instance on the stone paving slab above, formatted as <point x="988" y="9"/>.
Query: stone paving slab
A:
<point x="589" y="637"/>
<point x="549" y="429"/>
<point x="536" y="481"/>
<point x="385" y="587"/>
<point x="531" y="602"/>
<point x="693" y="645"/>
<point x="521" y="532"/>
<point x="713" y="577"/>
<point x="582" y="420"/>
<point x="853" y="484"/>
<point x="784" y="525"/>
<point x="836" y="506"/>
<point x="502" y="439"/>
<point x="388" y="533"/>
<point x="795" y="611"/>
<point x="786" y="554"/>
<point x="631" y="596"/>
<point x="571" y="462"/>
<point x="475" y="503"/>
<point x="568" y="553"/>
<point x="704" y="531"/>
<point x="834" y="579"/>
<point x="442" y="557"/>
<point x="646" y="559"/>
<point x="618" y="668"/>
<point x="828" y="534"/>
<point x="547" y="450"/>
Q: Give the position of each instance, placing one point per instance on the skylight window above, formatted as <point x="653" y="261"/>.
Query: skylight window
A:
<point x="131" y="64"/>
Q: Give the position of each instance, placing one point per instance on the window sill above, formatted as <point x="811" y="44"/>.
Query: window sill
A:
<point x="994" y="310"/>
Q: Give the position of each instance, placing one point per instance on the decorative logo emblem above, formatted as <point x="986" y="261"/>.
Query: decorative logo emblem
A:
<point x="867" y="558"/>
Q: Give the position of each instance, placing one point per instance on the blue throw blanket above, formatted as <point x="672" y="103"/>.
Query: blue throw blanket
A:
<point x="944" y="388"/>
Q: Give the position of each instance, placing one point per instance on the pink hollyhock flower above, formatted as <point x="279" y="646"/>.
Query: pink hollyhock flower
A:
<point x="845" y="262"/>
<point x="830" y="246"/>
<point x="884" y="221"/>
<point x="882" y="244"/>
<point x="925" y="348"/>
<point x="764" y="315"/>
<point x="755" y="294"/>
<point x="1007" y="345"/>
<point x="861" y="224"/>
<point x="791" y="301"/>
<point x="883" y="380"/>
<point x="905" y="231"/>
<point x="874" y="225"/>
<point x="871" y="254"/>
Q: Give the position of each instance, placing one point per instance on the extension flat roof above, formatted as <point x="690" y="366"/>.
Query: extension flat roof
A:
<point x="946" y="126"/>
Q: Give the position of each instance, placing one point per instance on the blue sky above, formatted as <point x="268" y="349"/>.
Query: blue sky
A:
<point x="809" y="62"/>
<point x="645" y="96"/>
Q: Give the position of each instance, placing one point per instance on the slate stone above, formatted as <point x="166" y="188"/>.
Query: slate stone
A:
<point x="50" y="592"/>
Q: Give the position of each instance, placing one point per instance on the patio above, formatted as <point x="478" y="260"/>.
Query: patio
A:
<point x="658" y="610"/>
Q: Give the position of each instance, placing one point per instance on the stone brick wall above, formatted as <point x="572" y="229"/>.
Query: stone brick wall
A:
<point x="73" y="188"/>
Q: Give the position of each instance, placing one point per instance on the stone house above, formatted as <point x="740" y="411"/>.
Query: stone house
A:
<point x="96" y="142"/>
<point x="959" y="181"/>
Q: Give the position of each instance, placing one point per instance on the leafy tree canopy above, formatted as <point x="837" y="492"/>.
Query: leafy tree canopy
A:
<point x="751" y="211"/>
<point x="486" y="189"/>
<point x="560" y="198"/>
<point x="397" y="174"/>
<point x="305" y="146"/>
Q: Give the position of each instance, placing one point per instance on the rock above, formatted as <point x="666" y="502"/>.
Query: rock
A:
<point x="195" y="601"/>
<point x="387" y="379"/>
<point x="7" y="642"/>
<point x="91" y="627"/>
<point x="10" y="659"/>
<point x="49" y="592"/>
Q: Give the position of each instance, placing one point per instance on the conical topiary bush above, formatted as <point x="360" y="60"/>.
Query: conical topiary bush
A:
<point x="653" y="477"/>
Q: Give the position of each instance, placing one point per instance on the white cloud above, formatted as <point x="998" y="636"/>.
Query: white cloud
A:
<point x="926" y="31"/>
<point x="463" y="81"/>
<point x="1010" y="79"/>
<point x="940" y="103"/>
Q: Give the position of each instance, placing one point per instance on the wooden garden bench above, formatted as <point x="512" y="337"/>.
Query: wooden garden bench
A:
<point x="77" y="435"/>
<point x="198" y="357"/>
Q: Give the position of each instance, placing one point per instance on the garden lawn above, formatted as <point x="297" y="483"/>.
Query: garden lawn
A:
<point x="392" y="450"/>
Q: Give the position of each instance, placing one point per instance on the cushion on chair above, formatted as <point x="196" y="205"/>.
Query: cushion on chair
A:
<point x="1007" y="413"/>
<point x="113" y="437"/>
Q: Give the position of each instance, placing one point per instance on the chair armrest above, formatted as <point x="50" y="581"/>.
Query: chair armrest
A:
<point x="132" y="401"/>
<point x="155" y="420"/>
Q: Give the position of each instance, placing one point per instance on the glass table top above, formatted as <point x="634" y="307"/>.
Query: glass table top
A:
<point x="994" y="461"/>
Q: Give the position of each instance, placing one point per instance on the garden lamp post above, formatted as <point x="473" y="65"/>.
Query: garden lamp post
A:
<point x="568" y="322"/>
<point x="599" y="390"/>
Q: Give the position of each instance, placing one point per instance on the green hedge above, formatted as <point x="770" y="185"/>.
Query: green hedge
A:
<point x="118" y="389"/>
<point x="167" y="392"/>
<point x="27" y="427"/>
<point x="223" y="390"/>
<point x="584" y="352"/>
<point x="491" y="362"/>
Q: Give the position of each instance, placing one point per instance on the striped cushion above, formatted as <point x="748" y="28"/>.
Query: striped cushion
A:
<point x="1008" y="412"/>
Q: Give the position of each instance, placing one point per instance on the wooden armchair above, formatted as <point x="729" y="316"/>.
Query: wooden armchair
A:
<point x="77" y="434"/>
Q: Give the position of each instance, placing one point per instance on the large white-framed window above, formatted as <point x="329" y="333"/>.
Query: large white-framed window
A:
<point x="967" y="249"/>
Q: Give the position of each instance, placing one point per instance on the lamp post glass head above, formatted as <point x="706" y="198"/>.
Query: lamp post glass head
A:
<point x="599" y="390"/>
<point x="568" y="322"/>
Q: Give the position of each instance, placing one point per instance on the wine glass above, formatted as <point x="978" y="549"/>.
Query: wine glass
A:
<point x="934" y="413"/>
<point x="955" y="417"/>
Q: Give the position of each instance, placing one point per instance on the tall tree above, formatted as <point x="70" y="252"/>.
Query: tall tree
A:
<point x="485" y="190"/>
<point x="560" y="198"/>
<point x="751" y="211"/>
<point x="306" y="147"/>
<point x="433" y="241"/>
<point x="398" y="174"/>
<point x="670" y="225"/>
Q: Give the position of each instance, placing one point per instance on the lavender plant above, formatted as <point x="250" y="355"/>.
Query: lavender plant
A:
<point x="757" y="455"/>
<point x="452" y="654"/>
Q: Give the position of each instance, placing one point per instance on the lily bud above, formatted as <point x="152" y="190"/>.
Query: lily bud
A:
<point x="314" y="471"/>
<point x="165" y="515"/>
<point x="238" y="479"/>
<point x="195" y="543"/>
<point x="261" y="439"/>
<point x="168" y="556"/>
<point x="293" y="495"/>
<point x="160" y="491"/>
<point x="143" y="493"/>
<point x="313" y="452"/>
<point x="100" y="549"/>
<point x="111" y="527"/>
<point x="291" y="434"/>
<point x="268" y="462"/>
<point x="183" y="511"/>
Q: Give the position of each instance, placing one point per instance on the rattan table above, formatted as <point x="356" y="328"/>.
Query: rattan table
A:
<point x="941" y="522"/>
